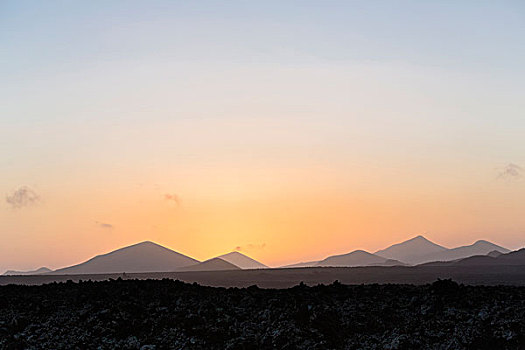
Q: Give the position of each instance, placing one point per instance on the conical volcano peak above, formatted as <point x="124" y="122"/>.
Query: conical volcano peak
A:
<point x="411" y="250"/>
<point x="241" y="260"/>
<point x="145" y="256"/>
<point x="420" y="238"/>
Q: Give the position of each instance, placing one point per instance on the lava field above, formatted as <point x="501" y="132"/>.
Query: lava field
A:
<point x="168" y="314"/>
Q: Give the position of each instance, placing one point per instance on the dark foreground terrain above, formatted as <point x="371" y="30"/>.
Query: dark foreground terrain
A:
<point x="162" y="314"/>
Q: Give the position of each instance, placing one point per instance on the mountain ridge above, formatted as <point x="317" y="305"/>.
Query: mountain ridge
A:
<point x="480" y="247"/>
<point x="419" y="250"/>
<point x="148" y="256"/>
<point x="144" y="256"/>
<point x="213" y="264"/>
<point x="357" y="258"/>
<point x="241" y="260"/>
<point x="38" y="271"/>
<point x="411" y="250"/>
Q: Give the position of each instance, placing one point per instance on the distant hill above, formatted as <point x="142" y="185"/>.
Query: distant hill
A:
<point x="494" y="253"/>
<point x="33" y="272"/>
<point x="141" y="257"/>
<point x="415" y="251"/>
<point x="242" y="261"/>
<point x="412" y="251"/>
<point x="516" y="258"/>
<point x="493" y="259"/>
<point x="151" y="257"/>
<point x="357" y="258"/>
<point x="478" y="248"/>
<point x="352" y="259"/>
<point x="215" y="264"/>
<point x="302" y="264"/>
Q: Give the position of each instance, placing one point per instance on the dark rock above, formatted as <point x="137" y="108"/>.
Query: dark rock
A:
<point x="161" y="314"/>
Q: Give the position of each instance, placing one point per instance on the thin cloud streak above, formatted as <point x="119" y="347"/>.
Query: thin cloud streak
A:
<point x="105" y="225"/>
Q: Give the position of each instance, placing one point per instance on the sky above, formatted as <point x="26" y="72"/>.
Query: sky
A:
<point x="287" y="130"/>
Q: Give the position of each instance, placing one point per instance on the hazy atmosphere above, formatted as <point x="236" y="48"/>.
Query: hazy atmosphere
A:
<point x="288" y="131"/>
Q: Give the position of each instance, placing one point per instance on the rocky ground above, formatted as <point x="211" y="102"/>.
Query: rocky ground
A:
<point x="167" y="314"/>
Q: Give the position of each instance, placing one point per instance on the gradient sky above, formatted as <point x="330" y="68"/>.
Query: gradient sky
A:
<point x="290" y="130"/>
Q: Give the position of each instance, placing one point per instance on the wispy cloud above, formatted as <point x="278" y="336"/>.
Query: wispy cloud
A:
<point x="250" y="247"/>
<point x="22" y="197"/>
<point x="511" y="171"/>
<point x="172" y="197"/>
<point x="104" y="225"/>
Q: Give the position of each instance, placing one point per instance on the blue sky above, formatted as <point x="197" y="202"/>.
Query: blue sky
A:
<point x="482" y="36"/>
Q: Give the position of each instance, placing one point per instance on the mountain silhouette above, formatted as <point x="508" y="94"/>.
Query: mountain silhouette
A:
<point x="357" y="258"/>
<point x="415" y="251"/>
<point x="515" y="258"/>
<point x="302" y="264"/>
<point x="215" y="264"/>
<point x="242" y="261"/>
<point x="151" y="257"/>
<point x="480" y="247"/>
<point x="412" y="251"/>
<point x="33" y="272"/>
<point x="494" y="254"/>
<point x="352" y="259"/>
<point x="141" y="257"/>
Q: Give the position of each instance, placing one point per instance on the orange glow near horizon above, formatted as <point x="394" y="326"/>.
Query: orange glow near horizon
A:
<point x="308" y="221"/>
